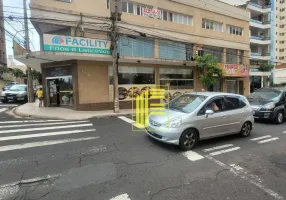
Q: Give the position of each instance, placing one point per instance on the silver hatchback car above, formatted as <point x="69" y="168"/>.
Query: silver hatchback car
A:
<point x="202" y="115"/>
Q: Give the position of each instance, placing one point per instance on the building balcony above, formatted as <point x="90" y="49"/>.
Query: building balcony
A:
<point x="260" y="24"/>
<point x="260" y="40"/>
<point x="260" y="56"/>
<point x="259" y="8"/>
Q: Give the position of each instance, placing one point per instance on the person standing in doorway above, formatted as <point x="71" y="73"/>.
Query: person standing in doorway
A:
<point x="40" y="95"/>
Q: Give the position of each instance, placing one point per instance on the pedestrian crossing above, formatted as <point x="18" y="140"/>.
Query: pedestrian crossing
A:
<point x="264" y="139"/>
<point x="16" y="135"/>
<point x="217" y="150"/>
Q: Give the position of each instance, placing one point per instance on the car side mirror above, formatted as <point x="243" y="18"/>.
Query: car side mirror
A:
<point x="209" y="112"/>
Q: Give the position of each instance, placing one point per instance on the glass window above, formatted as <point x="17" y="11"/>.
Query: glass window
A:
<point x="216" y="105"/>
<point x="190" y="20"/>
<point x="171" y="17"/>
<point x="130" y="8"/>
<point x="172" y="50"/>
<point x="231" y="56"/>
<point x="177" y="78"/>
<point x="18" y="88"/>
<point x="138" y="10"/>
<point x="234" y="30"/>
<point x="186" y="103"/>
<point x="232" y="103"/>
<point x="124" y="6"/>
<point x="165" y="15"/>
<point x="134" y="75"/>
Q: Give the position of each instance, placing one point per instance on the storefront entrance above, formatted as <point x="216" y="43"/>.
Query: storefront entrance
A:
<point x="60" y="91"/>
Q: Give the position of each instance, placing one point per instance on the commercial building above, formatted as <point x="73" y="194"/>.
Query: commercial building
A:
<point x="267" y="38"/>
<point x="158" y="42"/>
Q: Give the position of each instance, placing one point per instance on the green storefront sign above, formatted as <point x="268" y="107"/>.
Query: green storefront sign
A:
<point x="58" y="48"/>
<point x="61" y="43"/>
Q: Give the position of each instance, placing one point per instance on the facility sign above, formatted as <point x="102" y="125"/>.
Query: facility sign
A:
<point x="60" y="43"/>
<point x="235" y="70"/>
<point x="154" y="13"/>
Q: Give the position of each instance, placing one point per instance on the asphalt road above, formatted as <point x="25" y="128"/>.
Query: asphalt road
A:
<point x="103" y="159"/>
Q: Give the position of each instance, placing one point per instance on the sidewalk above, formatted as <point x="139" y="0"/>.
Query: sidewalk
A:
<point x="33" y="110"/>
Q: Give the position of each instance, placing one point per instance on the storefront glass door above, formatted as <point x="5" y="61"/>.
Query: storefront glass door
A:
<point x="231" y="86"/>
<point x="60" y="91"/>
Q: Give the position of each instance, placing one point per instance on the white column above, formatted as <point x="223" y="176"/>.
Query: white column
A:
<point x="262" y="77"/>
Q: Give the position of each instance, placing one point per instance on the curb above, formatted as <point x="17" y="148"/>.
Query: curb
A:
<point x="16" y="112"/>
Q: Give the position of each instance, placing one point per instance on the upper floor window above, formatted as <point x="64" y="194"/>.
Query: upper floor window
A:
<point x="128" y="7"/>
<point x="177" y="18"/>
<point x="212" y="25"/>
<point x="234" y="30"/>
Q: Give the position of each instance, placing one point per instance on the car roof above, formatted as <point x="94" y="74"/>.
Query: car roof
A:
<point x="213" y="94"/>
<point x="270" y="89"/>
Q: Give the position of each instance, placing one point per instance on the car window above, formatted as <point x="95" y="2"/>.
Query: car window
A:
<point x="186" y="103"/>
<point x="216" y="105"/>
<point x="242" y="102"/>
<point x="283" y="98"/>
<point x="232" y="103"/>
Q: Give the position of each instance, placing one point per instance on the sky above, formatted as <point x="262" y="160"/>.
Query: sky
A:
<point x="17" y="11"/>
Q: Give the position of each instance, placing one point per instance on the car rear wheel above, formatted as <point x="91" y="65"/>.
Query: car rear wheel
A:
<point x="279" y="117"/>
<point x="188" y="139"/>
<point x="246" y="129"/>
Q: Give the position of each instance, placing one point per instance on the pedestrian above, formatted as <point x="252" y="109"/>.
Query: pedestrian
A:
<point x="40" y="95"/>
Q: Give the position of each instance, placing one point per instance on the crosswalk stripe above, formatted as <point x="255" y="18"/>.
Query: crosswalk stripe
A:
<point x="30" y="121"/>
<point x="121" y="197"/>
<point x="39" y="124"/>
<point x="218" y="147"/>
<point x="3" y="110"/>
<point x="44" y="134"/>
<point x="42" y="143"/>
<point x="45" y="128"/>
<point x="7" y="105"/>
<point x="130" y="121"/>
<point x="260" y="138"/>
<point x="192" y="156"/>
<point x="224" y="151"/>
<point x="268" y="140"/>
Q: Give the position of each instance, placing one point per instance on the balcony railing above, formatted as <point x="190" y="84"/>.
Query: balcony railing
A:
<point x="255" y="21"/>
<point x="259" y="38"/>
<point x="259" y="54"/>
<point x="259" y="6"/>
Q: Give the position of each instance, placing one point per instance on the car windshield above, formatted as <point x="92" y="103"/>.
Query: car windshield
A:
<point x="186" y="103"/>
<point x="18" y="88"/>
<point x="272" y="95"/>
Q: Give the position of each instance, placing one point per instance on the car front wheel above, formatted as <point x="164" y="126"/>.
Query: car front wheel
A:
<point x="246" y="129"/>
<point x="279" y="117"/>
<point x="188" y="139"/>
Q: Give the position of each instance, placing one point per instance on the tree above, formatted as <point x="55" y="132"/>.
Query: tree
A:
<point x="209" y="70"/>
<point x="266" y="67"/>
<point x="17" y="73"/>
<point x="36" y="75"/>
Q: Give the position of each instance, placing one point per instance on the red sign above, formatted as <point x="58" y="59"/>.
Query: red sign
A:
<point x="154" y="13"/>
<point x="235" y="70"/>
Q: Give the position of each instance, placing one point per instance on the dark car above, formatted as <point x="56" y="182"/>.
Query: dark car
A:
<point x="8" y="85"/>
<point x="16" y="92"/>
<point x="268" y="103"/>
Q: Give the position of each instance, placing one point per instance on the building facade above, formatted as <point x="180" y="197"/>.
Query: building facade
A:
<point x="267" y="37"/>
<point x="158" y="41"/>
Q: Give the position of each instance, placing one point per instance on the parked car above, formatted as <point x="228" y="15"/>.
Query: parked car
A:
<point x="16" y="92"/>
<point x="269" y="104"/>
<point x="8" y="85"/>
<point x="198" y="116"/>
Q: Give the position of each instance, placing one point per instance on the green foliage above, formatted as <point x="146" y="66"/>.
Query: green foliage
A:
<point x="209" y="70"/>
<point x="266" y="67"/>
<point x="36" y="75"/>
<point x="17" y="73"/>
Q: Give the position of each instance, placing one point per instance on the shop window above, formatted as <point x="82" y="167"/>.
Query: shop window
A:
<point x="134" y="75"/>
<point x="139" y="47"/>
<point x="172" y="50"/>
<point x="177" y="78"/>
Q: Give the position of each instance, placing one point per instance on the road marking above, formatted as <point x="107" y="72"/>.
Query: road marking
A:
<point x="130" y="121"/>
<point x="45" y="128"/>
<point x="236" y="167"/>
<point x="268" y="140"/>
<point x="248" y="178"/>
<point x="43" y="143"/>
<point x="3" y="110"/>
<point x="18" y="137"/>
<point x="193" y="156"/>
<point x="55" y="123"/>
<point x="7" y="105"/>
<point x="224" y="151"/>
<point x="121" y="197"/>
<point x="260" y="138"/>
<point x="29" y="121"/>
<point x="218" y="147"/>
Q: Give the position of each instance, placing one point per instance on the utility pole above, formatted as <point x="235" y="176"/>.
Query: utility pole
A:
<point x="27" y="42"/>
<point x="115" y="11"/>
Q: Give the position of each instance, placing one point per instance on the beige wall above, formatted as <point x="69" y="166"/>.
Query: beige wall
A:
<point x="93" y="82"/>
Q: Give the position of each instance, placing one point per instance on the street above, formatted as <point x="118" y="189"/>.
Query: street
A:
<point x="104" y="159"/>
